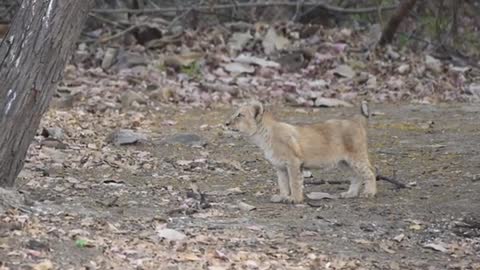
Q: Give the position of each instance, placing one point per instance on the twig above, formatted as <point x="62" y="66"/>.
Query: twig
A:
<point x="153" y="4"/>
<point x="341" y="182"/>
<point x="181" y="16"/>
<point x="298" y="10"/>
<point x="391" y="180"/>
<point x="105" y="20"/>
<point x="247" y="5"/>
<point x="323" y="182"/>
<point x="395" y="20"/>
<point x="119" y="34"/>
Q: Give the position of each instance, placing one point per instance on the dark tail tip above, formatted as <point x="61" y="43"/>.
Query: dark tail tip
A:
<point x="364" y="109"/>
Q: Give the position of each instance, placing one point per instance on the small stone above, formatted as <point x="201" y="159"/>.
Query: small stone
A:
<point x="45" y="265"/>
<point x="37" y="245"/>
<point x="53" y="132"/>
<point x="186" y="139"/>
<point x="52" y="143"/>
<point x="320" y="196"/>
<point x="344" y="71"/>
<point x="372" y="82"/>
<point x="331" y="102"/>
<point x="438" y="247"/>
<point x="392" y="54"/>
<point x="433" y="64"/>
<point x="109" y="58"/>
<point x="171" y="234"/>
<point x="129" y="97"/>
<point x="126" y="136"/>
<point x="403" y="69"/>
<point x="399" y="237"/>
<point x="246" y="207"/>
<point x="307" y="174"/>
<point x="474" y="89"/>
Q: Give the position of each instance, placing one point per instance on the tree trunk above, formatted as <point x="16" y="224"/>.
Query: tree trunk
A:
<point x="394" y="22"/>
<point x="32" y="59"/>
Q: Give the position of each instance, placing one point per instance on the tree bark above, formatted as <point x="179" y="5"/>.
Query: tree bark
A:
<point x="394" y="22"/>
<point x="33" y="56"/>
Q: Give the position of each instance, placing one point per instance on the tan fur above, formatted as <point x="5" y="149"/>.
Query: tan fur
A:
<point x="291" y="148"/>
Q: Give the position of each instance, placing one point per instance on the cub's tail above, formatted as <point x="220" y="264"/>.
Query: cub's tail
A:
<point x="364" y="113"/>
<point x="364" y="109"/>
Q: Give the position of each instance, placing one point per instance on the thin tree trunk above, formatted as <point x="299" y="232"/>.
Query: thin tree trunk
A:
<point x="394" y="22"/>
<point x="32" y="59"/>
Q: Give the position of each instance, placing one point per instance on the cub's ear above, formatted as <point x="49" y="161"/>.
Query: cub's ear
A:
<point x="257" y="109"/>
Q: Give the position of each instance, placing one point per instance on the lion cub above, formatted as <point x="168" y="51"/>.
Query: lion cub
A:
<point x="291" y="148"/>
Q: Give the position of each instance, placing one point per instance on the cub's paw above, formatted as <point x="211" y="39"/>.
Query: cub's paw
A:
<point x="277" y="198"/>
<point x="368" y="194"/>
<point x="347" y="195"/>
<point x="285" y="199"/>
<point x="293" y="200"/>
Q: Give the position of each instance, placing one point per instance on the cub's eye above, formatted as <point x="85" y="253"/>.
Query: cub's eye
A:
<point x="239" y="115"/>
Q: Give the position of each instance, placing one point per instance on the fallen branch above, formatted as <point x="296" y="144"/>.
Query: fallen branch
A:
<point x="247" y="5"/>
<point x="391" y="180"/>
<point x="394" y="22"/>
<point x="341" y="182"/>
<point x="323" y="182"/>
<point x="119" y="34"/>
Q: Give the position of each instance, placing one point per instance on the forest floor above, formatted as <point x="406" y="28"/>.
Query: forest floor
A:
<point x="177" y="200"/>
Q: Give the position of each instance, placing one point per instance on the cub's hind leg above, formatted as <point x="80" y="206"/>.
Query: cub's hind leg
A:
<point x="283" y="186"/>
<point x="355" y="181"/>
<point x="295" y="177"/>
<point x="365" y="170"/>
<point x="353" y="189"/>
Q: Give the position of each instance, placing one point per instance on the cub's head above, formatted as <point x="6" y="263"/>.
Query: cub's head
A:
<point x="246" y="118"/>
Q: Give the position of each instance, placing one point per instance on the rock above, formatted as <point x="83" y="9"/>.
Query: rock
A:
<point x="273" y="42"/>
<point x="238" y="41"/>
<point x="54" y="133"/>
<point x="248" y="59"/>
<point x="238" y="68"/>
<point x="395" y="83"/>
<point x="163" y="94"/>
<point x="392" y="54"/>
<point x="171" y="234"/>
<point x="129" y="97"/>
<point x="344" y="71"/>
<point x="126" y="136"/>
<point x="318" y="83"/>
<point x="37" y="245"/>
<point x="320" y="196"/>
<point x="460" y="70"/>
<point x="10" y="198"/>
<point x="129" y="60"/>
<point x="438" y="247"/>
<point x="331" y="102"/>
<point x="433" y="64"/>
<point x="246" y="207"/>
<point x="403" y="69"/>
<point x="307" y="174"/>
<point x="472" y="177"/>
<point x="186" y="139"/>
<point x="109" y="58"/>
<point x="372" y="82"/>
<point x="45" y="265"/>
<point x="399" y="237"/>
<point x="292" y="61"/>
<point x="53" y="143"/>
<point x="474" y="89"/>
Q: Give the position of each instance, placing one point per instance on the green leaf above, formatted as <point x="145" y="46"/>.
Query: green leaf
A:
<point x="81" y="243"/>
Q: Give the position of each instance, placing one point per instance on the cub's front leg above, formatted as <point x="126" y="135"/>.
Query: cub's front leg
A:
<point x="283" y="186"/>
<point x="295" y="177"/>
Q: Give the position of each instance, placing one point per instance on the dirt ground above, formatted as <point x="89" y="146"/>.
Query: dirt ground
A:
<point x="107" y="209"/>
